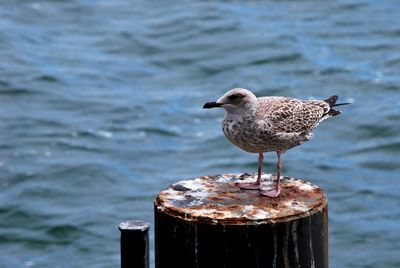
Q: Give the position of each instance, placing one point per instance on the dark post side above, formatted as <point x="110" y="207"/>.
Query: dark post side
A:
<point x="134" y="244"/>
<point x="210" y="222"/>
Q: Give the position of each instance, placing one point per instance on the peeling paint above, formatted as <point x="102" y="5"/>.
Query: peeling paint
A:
<point x="275" y="250"/>
<point x="295" y="249"/>
<point x="220" y="200"/>
<point x="311" y="244"/>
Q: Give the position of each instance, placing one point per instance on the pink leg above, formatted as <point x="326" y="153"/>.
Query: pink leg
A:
<point x="275" y="192"/>
<point x="258" y="183"/>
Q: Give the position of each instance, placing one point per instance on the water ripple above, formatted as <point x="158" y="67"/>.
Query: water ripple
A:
<point x="18" y="92"/>
<point x="159" y="131"/>
<point x="287" y="58"/>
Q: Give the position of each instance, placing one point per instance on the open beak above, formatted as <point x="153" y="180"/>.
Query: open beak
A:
<point x="212" y="104"/>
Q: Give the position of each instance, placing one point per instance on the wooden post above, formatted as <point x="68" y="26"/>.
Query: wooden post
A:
<point x="134" y="244"/>
<point x="210" y="222"/>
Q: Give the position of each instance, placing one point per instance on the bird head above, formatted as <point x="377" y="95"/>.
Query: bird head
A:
<point x="235" y="100"/>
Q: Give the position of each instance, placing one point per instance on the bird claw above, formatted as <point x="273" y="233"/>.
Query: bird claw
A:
<point x="249" y="185"/>
<point x="273" y="193"/>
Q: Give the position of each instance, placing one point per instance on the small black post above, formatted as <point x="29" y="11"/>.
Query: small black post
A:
<point x="134" y="244"/>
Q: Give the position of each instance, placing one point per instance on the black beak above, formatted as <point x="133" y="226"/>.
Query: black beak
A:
<point x="211" y="104"/>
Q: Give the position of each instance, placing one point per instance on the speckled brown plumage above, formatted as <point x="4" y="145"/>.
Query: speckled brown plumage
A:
<point x="265" y="124"/>
<point x="272" y="123"/>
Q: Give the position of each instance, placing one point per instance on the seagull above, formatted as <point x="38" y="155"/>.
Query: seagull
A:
<point x="267" y="124"/>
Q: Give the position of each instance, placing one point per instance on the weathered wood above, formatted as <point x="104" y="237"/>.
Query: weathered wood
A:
<point x="134" y="244"/>
<point x="210" y="222"/>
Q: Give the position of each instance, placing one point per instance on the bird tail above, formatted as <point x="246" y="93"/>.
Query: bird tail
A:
<point x="340" y="104"/>
<point x="332" y="103"/>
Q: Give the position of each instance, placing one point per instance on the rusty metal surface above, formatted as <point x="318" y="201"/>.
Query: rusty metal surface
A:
<point x="219" y="200"/>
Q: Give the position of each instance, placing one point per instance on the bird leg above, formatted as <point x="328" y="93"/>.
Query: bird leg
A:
<point x="276" y="191"/>
<point x="257" y="185"/>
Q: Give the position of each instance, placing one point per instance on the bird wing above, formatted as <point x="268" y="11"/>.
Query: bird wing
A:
<point x="288" y="115"/>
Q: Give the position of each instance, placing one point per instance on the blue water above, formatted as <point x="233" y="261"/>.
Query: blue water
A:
<point x="100" y="109"/>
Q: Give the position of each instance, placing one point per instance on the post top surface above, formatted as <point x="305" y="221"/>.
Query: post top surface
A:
<point x="134" y="225"/>
<point x="219" y="200"/>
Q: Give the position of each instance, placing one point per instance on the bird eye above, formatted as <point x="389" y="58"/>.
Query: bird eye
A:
<point x="235" y="96"/>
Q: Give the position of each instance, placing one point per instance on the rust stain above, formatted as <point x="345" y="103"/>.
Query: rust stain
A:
<point x="219" y="199"/>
